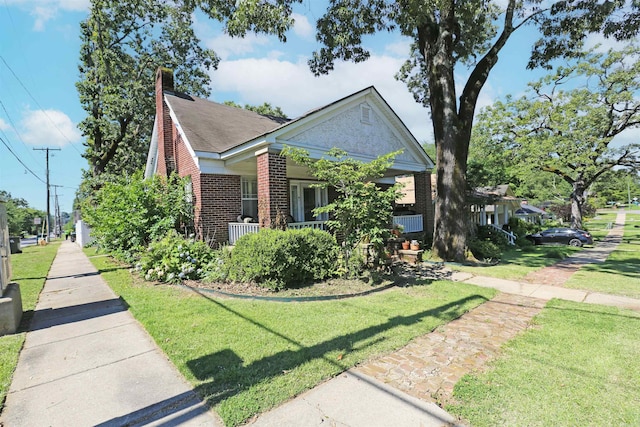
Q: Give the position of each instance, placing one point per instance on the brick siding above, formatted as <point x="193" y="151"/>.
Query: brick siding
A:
<point x="273" y="187"/>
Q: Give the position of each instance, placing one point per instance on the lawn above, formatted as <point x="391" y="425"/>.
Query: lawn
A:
<point x="578" y="367"/>
<point x="620" y="273"/>
<point x="29" y="270"/>
<point x="517" y="263"/>
<point x="247" y="356"/>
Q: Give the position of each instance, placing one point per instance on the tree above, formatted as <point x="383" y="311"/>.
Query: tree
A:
<point x="569" y="132"/>
<point x="19" y="215"/>
<point x="444" y="34"/>
<point x="265" y="109"/>
<point x="123" y="43"/>
<point x="362" y="211"/>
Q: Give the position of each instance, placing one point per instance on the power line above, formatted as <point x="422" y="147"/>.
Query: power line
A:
<point x="21" y="162"/>
<point x="48" y="189"/>
<point x="39" y="106"/>
<point x="15" y="129"/>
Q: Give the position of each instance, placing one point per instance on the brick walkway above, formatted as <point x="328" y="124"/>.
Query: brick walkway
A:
<point x="430" y="366"/>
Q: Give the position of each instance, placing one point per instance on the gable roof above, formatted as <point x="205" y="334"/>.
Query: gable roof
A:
<point x="215" y="128"/>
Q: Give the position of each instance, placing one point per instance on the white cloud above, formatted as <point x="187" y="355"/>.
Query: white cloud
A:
<point x="292" y="87"/>
<point x="4" y="125"/>
<point x="49" y="127"/>
<point x="45" y="10"/>
<point x="301" y="26"/>
<point x="226" y="46"/>
<point x="626" y="137"/>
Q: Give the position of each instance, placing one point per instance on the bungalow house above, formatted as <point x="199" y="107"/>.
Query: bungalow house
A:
<point x="239" y="179"/>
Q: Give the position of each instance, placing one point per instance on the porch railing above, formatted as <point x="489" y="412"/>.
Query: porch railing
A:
<point x="511" y="238"/>
<point x="411" y="223"/>
<point x="239" y="229"/>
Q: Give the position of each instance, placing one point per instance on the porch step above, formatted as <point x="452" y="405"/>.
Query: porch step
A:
<point x="410" y="256"/>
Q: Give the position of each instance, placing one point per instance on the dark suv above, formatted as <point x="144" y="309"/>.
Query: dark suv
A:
<point x="563" y="235"/>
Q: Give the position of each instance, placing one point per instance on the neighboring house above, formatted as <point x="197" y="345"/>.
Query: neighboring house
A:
<point x="239" y="180"/>
<point x="493" y="205"/>
<point x="530" y="213"/>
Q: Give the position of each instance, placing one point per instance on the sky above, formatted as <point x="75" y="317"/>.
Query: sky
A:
<point x="40" y="108"/>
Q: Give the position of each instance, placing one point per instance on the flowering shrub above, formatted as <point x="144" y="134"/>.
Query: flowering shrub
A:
<point x="174" y="259"/>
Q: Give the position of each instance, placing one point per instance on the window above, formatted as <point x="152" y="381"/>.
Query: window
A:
<point x="249" y="197"/>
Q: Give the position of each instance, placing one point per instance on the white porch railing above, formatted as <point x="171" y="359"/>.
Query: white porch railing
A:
<point x="411" y="223"/>
<point x="239" y="229"/>
<point x="511" y="238"/>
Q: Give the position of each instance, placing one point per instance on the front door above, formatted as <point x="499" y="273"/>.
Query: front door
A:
<point x="304" y="199"/>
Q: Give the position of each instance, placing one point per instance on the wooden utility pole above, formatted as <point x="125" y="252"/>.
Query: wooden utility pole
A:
<point x="48" y="189"/>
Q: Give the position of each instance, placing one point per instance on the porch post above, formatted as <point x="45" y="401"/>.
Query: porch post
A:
<point x="483" y="215"/>
<point x="423" y="203"/>
<point x="506" y="214"/>
<point x="496" y="215"/>
<point x="273" y="192"/>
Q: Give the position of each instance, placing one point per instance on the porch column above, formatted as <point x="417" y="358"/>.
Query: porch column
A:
<point x="483" y="215"/>
<point x="496" y="215"/>
<point x="423" y="202"/>
<point x="273" y="191"/>
<point x="506" y="214"/>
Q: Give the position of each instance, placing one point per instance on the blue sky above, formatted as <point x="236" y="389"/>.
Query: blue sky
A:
<point x="39" y="45"/>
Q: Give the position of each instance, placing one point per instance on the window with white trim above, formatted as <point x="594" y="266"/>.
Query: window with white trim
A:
<point x="249" y="187"/>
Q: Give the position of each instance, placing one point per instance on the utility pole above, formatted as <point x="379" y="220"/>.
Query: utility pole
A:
<point x="48" y="189"/>
<point x="57" y="221"/>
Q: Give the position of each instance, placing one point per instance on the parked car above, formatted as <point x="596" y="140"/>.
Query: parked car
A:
<point x="563" y="235"/>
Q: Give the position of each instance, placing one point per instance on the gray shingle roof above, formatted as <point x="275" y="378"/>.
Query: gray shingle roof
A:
<point x="215" y="128"/>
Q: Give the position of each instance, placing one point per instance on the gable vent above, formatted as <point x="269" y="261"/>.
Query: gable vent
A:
<point x="365" y="113"/>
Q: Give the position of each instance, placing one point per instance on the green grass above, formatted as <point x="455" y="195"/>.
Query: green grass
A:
<point x="29" y="270"/>
<point x="598" y="225"/>
<point x="245" y="356"/>
<point x="578" y="367"/>
<point x="620" y="273"/>
<point x="517" y="263"/>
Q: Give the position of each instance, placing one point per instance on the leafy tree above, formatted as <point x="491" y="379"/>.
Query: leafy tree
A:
<point x="615" y="186"/>
<point x="19" y="215"/>
<point x="569" y="132"/>
<point x="362" y="211"/>
<point x="265" y="109"/>
<point x="126" y="216"/>
<point x="123" y="43"/>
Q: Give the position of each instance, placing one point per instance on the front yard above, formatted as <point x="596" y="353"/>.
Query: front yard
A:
<point x="246" y="356"/>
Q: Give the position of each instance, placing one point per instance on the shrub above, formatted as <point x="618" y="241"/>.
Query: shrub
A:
<point x="488" y="233"/>
<point x="282" y="259"/>
<point x="174" y="259"/>
<point x="484" y="249"/>
<point x="126" y="216"/>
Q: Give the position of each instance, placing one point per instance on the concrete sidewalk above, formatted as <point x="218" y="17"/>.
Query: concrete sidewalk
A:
<point x="87" y="362"/>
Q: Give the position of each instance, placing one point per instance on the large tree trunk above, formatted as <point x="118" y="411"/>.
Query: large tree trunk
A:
<point x="450" y="231"/>
<point x="578" y="199"/>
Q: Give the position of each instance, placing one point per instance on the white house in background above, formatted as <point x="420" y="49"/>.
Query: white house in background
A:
<point x="239" y="179"/>
<point x="493" y="205"/>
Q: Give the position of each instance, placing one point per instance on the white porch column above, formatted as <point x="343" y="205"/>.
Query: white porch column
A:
<point x="496" y="215"/>
<point x="506" y="214"/>
<point x="483" y="215"/>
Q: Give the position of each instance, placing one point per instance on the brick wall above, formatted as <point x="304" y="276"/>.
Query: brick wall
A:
<point x="424" y="204"/>
<point x="273" y="187"/>
<point x="220" y="203"/>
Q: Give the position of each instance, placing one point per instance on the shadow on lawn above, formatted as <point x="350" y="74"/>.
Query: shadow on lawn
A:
<point x="225" y="375"/>
<point x="627" y="267"/>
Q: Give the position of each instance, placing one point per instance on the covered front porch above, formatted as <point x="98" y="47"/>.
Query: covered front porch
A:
<point x="409" y="223"/>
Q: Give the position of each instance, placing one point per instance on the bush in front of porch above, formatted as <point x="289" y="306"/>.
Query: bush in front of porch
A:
<point x="279" y="259"/>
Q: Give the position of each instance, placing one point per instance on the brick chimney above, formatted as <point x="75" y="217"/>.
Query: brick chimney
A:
<point x="166" y="148"/>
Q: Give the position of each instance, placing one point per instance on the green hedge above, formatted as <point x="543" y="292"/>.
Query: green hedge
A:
<point x="283" y="259"/>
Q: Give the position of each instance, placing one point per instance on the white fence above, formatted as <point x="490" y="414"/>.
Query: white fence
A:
<point x="239" y="229"/>
<point x="411" y="223"/>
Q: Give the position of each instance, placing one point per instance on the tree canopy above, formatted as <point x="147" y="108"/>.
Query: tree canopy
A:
<point x="20" y="216"/>
<point x="567" y="123"/>
<point x="266" y="109"/>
